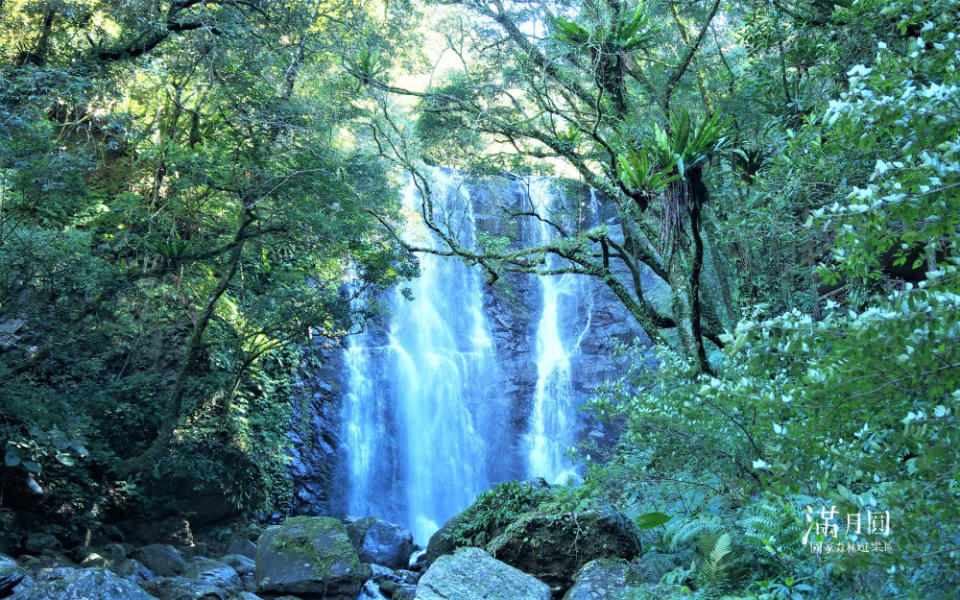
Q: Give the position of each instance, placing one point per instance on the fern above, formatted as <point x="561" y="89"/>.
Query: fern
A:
<point x="689" y="532"/>
<point x="776" y="528"/>
<point x="715" y="568"/>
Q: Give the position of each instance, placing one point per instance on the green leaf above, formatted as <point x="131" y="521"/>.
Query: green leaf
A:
<point x="79" y="448"/>
<point x="60" y="441"/>
<point x="31" y="466"/>
<point x="12" y="459"/>
<point x="34" y="486"/>
<point x="651" y="520"/>
<point x="66" y="460"/>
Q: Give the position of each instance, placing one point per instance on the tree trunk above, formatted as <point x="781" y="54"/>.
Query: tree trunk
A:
<point x="174" y="404"/>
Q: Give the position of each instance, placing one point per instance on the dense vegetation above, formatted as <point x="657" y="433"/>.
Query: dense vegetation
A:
<point x="182" y="197"/>
<point x="185" y="186"/>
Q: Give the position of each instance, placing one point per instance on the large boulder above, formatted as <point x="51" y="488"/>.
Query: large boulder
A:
<point x="487" y="518"/>
<point x="213" y="572"/>
<point x="38" y="542"/>
<point x="162" y="559"/>
<point x="309" y="557"/>
<point x="380" y="542"/>
<point x="604" y="579"/>
<point x="554" y="546"/>
<point x="181" y="588"/>
<point x="241" y="564"/>
<point x="132" y="570"/>
<point x="10" y="575"/>
<point x="472" y="574"/>
<point x="81" y="584"/>
<point x="243" y="547"/>
<point x="48" y="559"/>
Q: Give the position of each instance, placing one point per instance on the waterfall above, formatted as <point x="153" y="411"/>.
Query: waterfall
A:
<point x="553" y="418"/>
<point x="419" y="396"/>
<point x="465" y="385"/>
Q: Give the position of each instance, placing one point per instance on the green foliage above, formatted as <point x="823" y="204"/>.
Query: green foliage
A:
<point x="637" y="172"/>
<point x="180" y="204"/>
<point x="493" y="511"/>
<point x="628" y="35"/>
<point x="688" y="144"/>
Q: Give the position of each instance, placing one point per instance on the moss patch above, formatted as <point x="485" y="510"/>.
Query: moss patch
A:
<point x="321" y="540"/>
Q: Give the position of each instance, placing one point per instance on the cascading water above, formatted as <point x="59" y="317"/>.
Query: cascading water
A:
<point x="419" y="398"/>
<point x="553" y="419"/>
<point x="466" y="385"/>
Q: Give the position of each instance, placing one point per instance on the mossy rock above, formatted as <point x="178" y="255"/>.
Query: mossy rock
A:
<point x="311" y="557"/>
<point x="487" y="518"/>
<point x="10" y="575"/>
<point x="554" y="547"/>
<point x="607" y="579"/>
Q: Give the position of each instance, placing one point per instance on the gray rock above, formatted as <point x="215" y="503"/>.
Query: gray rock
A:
<point x="162" y="559"/>
<point x="380" y="542"/>
<point x="309" y="556"/>
<point x="10" y="575"/>
<point x="405" y="592"/>
<point x="181" y="588"/>
<point x="243" y="548"/>
<point x="8" y="330"/>
<point x="472" y="574"/>
<point x="48" y="559"/>
<point x="241" y="564"/>
<point x="380" y="572"/>
<point x="115" y="552"/>
<point x="408" y="576"/>
<point x="603" y="579"/>
<point x="81" y="584"/>
<point x="38" y="542"/>
<point x="213" y="572"/>
<point x="132" y="570"/>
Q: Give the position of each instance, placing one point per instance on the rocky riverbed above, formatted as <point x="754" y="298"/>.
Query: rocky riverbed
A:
<point x="592" y="554"/>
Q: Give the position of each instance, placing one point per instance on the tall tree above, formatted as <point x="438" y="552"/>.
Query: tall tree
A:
<point x="583" y="83"/>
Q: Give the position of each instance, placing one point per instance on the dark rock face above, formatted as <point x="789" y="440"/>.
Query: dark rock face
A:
<point x="380" y="542"/>
<point x="315" y="433"/>
<point x="310" y="557"/>
<point x="553" y="547"/>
